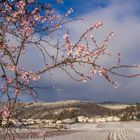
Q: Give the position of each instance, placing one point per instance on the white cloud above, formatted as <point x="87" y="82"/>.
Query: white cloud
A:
<point x="120" y="18"/>
<point x="117" y="17"/>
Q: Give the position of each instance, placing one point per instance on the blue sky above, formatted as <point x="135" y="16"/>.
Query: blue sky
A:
<point x="120" y="16"/>
<point x="79" y="6"/>
<point x="85" y="6"/>
<point x="82" y="6"/>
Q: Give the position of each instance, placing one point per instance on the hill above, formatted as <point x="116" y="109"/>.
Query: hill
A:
<point x="61" y="110"/>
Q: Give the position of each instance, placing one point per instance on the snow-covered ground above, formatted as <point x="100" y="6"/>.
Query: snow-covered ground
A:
<point x="103" y="131"/>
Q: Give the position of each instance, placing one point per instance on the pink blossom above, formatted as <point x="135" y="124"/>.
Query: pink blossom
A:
<point x="69" y="11"/>
<point x="58" y="26"/>
<point x="11" y="67"/>
<point x="29" y="75"/>
<point x="60" y="1"/>
<point x="98" y="25"/>
<point x="4" y="89"/>
<point x="66" y="36"/>
<point x="91" y="35"/>
<point x="101" y="71"/>
<point x="27" y="29"/>
<point x="17" y="91"/>
<point x="9" y="81"/>
<point x="21" y="4"/>
<point x="8" y="8"/>
<point x="79" y="50"/>
<point x="30" y="1"/>
<point x="36" y="10"/>
<point x="116" y="85"/>
<point x="94" y="70"/>
<point x="84" y="80"/>
<point x="5" y="113"/>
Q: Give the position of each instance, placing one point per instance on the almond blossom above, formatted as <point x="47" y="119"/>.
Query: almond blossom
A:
<point x="29" y="75"/>
<point x="5" y="113"/>
<point x="31" y="1"/>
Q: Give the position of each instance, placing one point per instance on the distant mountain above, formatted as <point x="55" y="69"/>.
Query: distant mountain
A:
<point x="61" y="110"/>
<point x="111" y="102"/>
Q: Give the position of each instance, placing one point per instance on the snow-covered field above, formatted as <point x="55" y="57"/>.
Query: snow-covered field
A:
<point x="103" y="131"/>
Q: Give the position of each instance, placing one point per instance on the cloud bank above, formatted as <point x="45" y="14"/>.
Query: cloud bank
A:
<point x="123" y="18"/>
